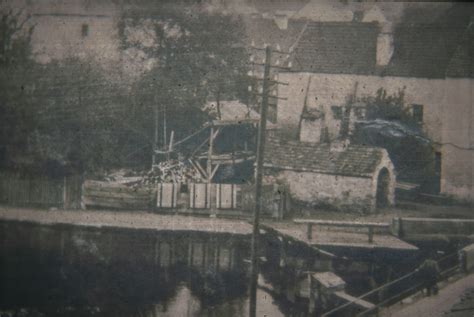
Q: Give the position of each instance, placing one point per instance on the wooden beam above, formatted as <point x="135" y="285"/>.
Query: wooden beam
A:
<point x="343" y="223"/>
<point x="201" y="169"/>
<point x="209" y="156"/>
<point x="195" y="167"/>
<point x="204" y="142"/>
<point x="215" y="170"/>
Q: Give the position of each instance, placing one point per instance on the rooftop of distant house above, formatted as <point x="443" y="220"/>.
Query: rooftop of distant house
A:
<point x="438" y="46"/>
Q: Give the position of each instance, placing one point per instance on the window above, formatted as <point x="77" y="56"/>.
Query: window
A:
<point x="360" y="113"/>
<point x="85" y="30"/>
<point x="417" y="112"/>
<point x="337" y="112"/>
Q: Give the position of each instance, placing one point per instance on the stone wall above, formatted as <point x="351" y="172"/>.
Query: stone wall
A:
<point x="331" y="191"/>
<point x="340" y="192"/>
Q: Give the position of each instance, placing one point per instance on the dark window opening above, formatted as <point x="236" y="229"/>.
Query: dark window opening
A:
<point x="272" y="113"/>
<point x="417" y="112"/>
<point x="85" y="30"/>
<point x="183" y="188"/>
<point x="337" y="112"/>
<point x="360" y="113"/>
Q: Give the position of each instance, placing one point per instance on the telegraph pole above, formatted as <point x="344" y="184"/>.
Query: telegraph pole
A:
<point x="155" y="139"/>
<point x="267" y="82"/>
<point x="258" y="184"/>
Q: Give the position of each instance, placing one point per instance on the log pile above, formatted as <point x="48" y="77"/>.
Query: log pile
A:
<point x="172" y="171"/>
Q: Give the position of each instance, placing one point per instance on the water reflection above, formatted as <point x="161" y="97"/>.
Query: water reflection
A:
<point x="71" y="271"/>
<point x="66" y="271"/>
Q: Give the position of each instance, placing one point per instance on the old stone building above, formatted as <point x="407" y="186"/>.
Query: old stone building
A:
<point x="338" y="175"/>
<point x="338" y="62"/>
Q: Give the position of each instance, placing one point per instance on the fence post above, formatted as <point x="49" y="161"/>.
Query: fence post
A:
<point x="309" y="232"/>
<point x="65" y="194"/>
<point x="371" y="234"/>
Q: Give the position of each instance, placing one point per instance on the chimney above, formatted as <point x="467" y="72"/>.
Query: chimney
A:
<point x="384" y="48"/>
<point x="281" y="20"/>
<point x="385" y="36"/>
<point x="339" y="145"/>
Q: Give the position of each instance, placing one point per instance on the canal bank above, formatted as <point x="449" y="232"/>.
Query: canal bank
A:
<point x="205" y="258"/>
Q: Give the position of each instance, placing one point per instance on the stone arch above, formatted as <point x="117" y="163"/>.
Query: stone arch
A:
<point x="382" y="196"/>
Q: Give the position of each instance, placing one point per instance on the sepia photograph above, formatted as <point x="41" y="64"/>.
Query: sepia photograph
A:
<point x="236" y="158"/>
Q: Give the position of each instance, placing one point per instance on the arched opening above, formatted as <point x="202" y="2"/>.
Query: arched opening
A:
<point x="383" y="183"/>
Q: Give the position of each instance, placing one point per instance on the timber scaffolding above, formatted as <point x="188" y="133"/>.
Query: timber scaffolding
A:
<point x="214" y="160"/>
<point x="210" y="196"/>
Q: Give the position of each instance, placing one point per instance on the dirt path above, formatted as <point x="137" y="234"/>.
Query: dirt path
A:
<point x="127" y="219"/>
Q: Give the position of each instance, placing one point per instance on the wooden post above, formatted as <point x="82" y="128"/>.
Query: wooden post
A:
<point x="258" y="185"/>
<point x="164" y="127"/>
<point x="155" y="139"/>
<point x="371" y="234"/>
<point x="209" y="168"/>
<point x="65" y="194"/>
<point x="309" y="232"/>
<point x="156" y="252"/>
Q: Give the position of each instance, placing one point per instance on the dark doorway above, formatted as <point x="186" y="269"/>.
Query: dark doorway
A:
<point x="383" y="181"/>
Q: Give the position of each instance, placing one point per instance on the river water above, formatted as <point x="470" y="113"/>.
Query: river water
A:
<point x="61" y="270"/>
<point x="67" y="271"/>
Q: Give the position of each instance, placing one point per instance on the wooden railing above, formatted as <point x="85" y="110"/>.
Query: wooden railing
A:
<point x="351" y="224"/>
<point x="449" y="265"/>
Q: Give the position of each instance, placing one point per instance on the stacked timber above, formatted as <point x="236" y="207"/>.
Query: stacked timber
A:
<point x="116" y="195"/>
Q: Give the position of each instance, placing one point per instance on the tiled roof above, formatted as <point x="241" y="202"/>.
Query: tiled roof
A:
<point x="263" y="31"/>
<point x="355" y="160"/>
<point x="423" y="50"/>
<point x="461" y="63"/>
<point x="435" y="46"/>
<point x="337" y="47"/>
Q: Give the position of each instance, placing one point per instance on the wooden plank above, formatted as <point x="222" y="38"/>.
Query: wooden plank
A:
<point x="113" y="194"/>
<point x="110" y="185"/>
<point x="114" y="189"/>
<point x="359" y="302"/>
<point x="197" y="169"/>
<point x="167" y="195"/>
<point x="119" y="199"/>
<point x="203" y="172"/>
<point x="90" y="201"/>
<point x="343" y="223"/>
<point x="214" y="171"/>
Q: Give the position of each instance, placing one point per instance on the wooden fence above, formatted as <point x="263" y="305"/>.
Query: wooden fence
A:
<point x="215" y="196"/>
<point x="275" y="199"/>
<point x="41" y="191"/>
<point x="72" y="192"/>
